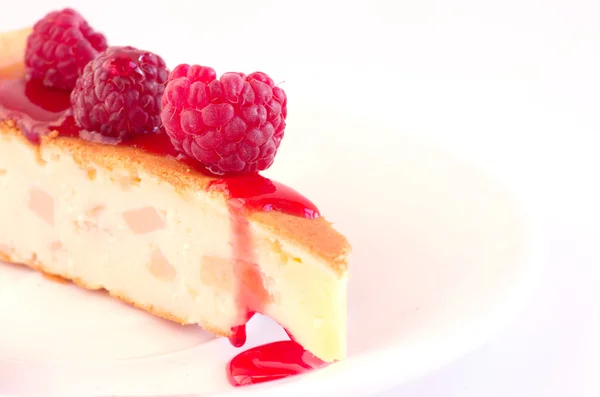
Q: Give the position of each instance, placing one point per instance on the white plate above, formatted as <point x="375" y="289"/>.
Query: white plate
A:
<point x="443" y="256"/>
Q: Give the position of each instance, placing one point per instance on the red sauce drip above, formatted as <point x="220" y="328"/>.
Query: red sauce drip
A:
<point x="238" y="336"/>
<point x="238" y="333"/>
<point x="257" y="193"/>
<point x="38" y="111"/>
<point x="276" y="360"/>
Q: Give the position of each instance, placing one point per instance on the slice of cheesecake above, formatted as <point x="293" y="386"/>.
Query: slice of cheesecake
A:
<point x="163" y="236"/>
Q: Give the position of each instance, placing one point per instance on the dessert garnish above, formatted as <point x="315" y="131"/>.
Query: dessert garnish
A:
<point x="60" y="46"/>
<point x="119" y="93"/>
<point x="233" y="124"/>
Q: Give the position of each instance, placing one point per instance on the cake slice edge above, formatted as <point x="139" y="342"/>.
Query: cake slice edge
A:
<point x="303" y="262"/>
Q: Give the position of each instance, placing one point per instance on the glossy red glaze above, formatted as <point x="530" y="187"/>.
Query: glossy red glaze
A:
<point x="257" y="193"/>
<point x="35" y="109"/>
<point x="276" y="360"/>
<point x="238" y="336"/>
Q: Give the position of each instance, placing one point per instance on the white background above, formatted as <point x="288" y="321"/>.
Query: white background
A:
<point x="512" y="84"/>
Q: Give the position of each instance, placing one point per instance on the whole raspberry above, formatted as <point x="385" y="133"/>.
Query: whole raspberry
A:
<point x="59" y="47"/>
<point x="119" y="93"/>
<point x="231" y="125"/>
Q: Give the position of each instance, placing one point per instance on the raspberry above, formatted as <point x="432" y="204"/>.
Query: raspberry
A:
<point x="231" y="125"/>
<point x="119" y="93"/>
<point x="60" y="46"/>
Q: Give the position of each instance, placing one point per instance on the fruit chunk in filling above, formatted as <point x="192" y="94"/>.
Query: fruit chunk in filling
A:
<point x="160" y="267"/>
<point x="143" y="220"/>
<point x="218" y="272"/>
<point x="42" y="204"/>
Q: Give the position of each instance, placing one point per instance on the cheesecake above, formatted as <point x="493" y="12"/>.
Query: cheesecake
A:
<point x="156" y="228"/>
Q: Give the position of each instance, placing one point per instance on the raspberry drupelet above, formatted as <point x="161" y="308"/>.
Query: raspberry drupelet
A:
<point x="59" y="47"/>
<point x="119" y="93"/>
<point x="232" y="125"/>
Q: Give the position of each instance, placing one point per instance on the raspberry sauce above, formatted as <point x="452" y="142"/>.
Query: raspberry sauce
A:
<point x="37" y="111"/>
<point x="257" y="193"/>
<point x="276" y="360"/>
